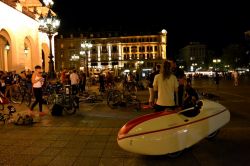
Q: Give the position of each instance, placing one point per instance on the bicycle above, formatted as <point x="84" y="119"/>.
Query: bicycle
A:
<point x="113" y="97"/>
<point x="20" y="94"/>
<point x="67" y="100"/>
<point x="51" y="92"/>
<point x="117" y="98"/>
<point x="11" y="109"/>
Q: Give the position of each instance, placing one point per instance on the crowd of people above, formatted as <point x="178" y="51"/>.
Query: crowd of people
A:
<point x="167" y="84"/>
<point x="168" y="88"/>
<point x="10" y="79"/>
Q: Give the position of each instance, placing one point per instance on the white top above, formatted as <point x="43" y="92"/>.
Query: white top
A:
<point x="166" y="89"/>
<point x="38" y="84"/>
<point x="74" y="78"/>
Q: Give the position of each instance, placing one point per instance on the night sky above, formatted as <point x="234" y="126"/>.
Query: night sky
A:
<point x="215" y="24"/>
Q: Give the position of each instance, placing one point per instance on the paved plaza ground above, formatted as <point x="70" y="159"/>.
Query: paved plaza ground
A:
<point x="89" y="136"/>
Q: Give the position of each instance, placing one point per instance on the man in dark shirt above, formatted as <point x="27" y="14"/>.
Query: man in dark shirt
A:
<point x="8" y="83"/>
<point x="180" y="75"/>
<point x="191" y="97"/>
<point x="151" y="81"/>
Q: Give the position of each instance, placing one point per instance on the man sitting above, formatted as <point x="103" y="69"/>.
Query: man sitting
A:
<point x="190" y="100"/>
<point x="191" y="97"/>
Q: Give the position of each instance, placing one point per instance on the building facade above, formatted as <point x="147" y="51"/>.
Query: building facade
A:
<point x="123" y="52"/>
<point x="22" y="45"/>
<point x="194" y="56"/>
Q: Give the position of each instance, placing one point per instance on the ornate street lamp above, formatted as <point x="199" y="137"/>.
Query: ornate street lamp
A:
<point x="75" y="58"/>
<point x="49" y="25"/>
<point x="85" y="50"/>
<point x="216" y="62"/>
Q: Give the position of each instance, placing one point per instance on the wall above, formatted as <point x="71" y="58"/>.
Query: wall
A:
<point x="20" y="27"/>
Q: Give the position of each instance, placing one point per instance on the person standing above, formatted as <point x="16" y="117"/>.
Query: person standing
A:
<point x="181" y="78"/>
<point x="166" y="85"/>
<point x="2" y="85"/>
<point x="84" y="80"/>
<point x="150" y="86"/>
<point x="236" y="78"/>
<point x="217" y="80"/>
<point x="102" y="82"/>
<point x="8" y="84"/>
<point x="63" y="76"/>
<point x="37" y="83"/>
<point x="74" y="79"/>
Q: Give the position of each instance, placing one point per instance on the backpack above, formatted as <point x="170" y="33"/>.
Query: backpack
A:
<point x="57" y="110"/>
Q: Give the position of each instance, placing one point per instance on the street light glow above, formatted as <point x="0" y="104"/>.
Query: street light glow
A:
<point x="164" y="31"/>
<point x="49" y="25"/>
<point x="216" y="60"/>
<point x="26" y="51"/>
<point x="86" y="47"/>
<point x="48" y="2"/>
<point x="7" y="47"/>
<point x="75" y="58"/>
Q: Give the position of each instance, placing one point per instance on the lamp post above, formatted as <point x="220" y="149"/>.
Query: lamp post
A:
<point x="49" y="25"/>
<point x="75" y="58"/>
<point x="193" y="66"/>
<point x="216" y="62"/>
<point x="85" y="50"/>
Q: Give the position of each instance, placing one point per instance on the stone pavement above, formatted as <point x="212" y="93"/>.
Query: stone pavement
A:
<point x="89" y="136"/>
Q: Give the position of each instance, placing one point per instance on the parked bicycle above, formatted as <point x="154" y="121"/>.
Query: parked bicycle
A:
<point x="51" y="92"/>
<point x="68" y="101"/>
<point x="117" y="98"/>
<point x="20" y="94"/>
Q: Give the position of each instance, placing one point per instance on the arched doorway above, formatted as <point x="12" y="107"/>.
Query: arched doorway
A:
<point x="28" y="53"/>
<point x="5" y="51"/>
<point x="45" y="56"/>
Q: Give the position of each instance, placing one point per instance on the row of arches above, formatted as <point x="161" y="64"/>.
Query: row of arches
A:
<point x="13" y="56"/>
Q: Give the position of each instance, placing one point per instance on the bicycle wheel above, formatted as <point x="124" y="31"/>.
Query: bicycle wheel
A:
<point x="70" y="110"/>
<point x="114" y="98"/>
<point x="1" y="106"/>
<point x="27" y="99"/>
<point x="17" y="97"/>
<point x="51" y="100"/>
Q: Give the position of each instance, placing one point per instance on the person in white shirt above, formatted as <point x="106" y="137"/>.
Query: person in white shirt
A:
<point x="37" y="83"/>
<point x="167" y="86"/>
<point x="74" y="79"/>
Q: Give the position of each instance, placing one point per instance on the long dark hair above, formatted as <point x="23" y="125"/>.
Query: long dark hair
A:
<point x="166" y="70"/>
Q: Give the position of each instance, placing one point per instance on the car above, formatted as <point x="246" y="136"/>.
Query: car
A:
<point x="170" y="132"/>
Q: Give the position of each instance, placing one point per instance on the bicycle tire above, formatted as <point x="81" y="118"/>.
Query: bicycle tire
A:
<point x="17" y="98"/>
<point x="72" y="106"/>
<point x="114" y="98"/>
<point x="51" y="100"/>
<point x="1" y="106"/>
<point x="70" y="110"/>
<point x="27" y="99"/>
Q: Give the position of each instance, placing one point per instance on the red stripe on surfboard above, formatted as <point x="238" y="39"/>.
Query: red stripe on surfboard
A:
<point x="149" y="132"/>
